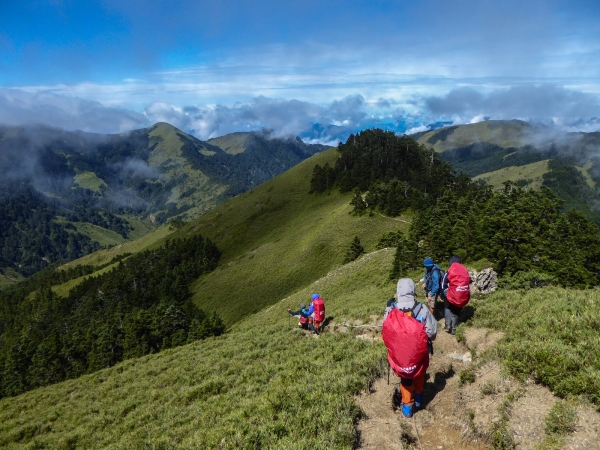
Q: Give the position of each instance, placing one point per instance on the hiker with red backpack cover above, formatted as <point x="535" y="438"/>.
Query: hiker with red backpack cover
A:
<point x="302" y="315"/>
<point x="316" y="311"/>
<point x="456" y="285"/>
<point x="408" y="329"/>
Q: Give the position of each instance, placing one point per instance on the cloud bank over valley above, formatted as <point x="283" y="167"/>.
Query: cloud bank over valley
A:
<point x="563" y="108"/>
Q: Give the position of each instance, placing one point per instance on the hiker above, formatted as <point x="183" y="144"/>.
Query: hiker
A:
<point x="302" y="316"/>
<point x="408" y="329"/>
<point x="432" y="282"/>
<point x="317" y="313"/>
<point x="456" y="285"/>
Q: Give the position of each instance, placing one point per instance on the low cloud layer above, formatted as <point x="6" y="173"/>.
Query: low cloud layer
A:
<point x="284" y="117"/>
<point x="549" y="104"/>
<point x="565" y="109"/>
<point x="18" y="107"/>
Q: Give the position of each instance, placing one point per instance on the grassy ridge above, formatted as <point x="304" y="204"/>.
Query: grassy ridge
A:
<point x="277" y="239"/>
<point x="263" y="385"/>
<point x="533" y="171"/>
<point x="103" y="256"/>
<point x="504" y="133"/>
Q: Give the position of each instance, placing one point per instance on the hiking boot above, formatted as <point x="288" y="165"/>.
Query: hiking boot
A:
<point x="418" y="400"/>
<point x="407" y="410"/>
<point x="452" y="332"/>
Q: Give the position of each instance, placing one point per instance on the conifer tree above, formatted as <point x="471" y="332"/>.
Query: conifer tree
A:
<point x="355" y="250"/>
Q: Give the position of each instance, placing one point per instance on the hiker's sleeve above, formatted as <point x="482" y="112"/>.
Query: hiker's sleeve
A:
<point x="435" y="282"/>
<point x="295" y="313"/>
<point x="310" y="310"/>
<point x="387" y="311"/>
<point x="430" y="326"/>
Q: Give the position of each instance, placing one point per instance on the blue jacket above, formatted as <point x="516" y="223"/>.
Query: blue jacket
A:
<point x="432" y="280"/>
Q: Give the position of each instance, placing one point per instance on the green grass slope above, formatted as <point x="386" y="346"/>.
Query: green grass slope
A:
<point x="277" y="239"/>
<point x="532" y="173"/>
<point x="194" y="188"/>
<point x="504" y="133"/>
<point x="232" y="143"/>
<point x="265" y="384"/>
<point x="9" y="276"/>
<point x="103" y="256"/>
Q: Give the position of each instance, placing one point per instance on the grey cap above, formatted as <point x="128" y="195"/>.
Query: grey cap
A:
<point x="302" y="305"/>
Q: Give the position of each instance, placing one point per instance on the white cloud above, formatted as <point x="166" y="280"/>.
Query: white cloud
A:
<point x="18" y="107"/>
<point x="546" y="103"/>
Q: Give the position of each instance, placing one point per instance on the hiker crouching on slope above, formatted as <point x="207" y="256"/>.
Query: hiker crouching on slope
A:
<point x="432" y="282"/>
<point x="302" y="315"/>
<point x="316" y="311"/>
<point x="457" y="289"/>
<point x="408" y="329"/>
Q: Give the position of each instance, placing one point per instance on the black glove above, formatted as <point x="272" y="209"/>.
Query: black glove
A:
<point x="430" y="346"/>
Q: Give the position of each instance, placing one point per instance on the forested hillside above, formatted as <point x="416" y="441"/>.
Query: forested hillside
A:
<point x="65" y="194"/>
<point x="527" y="235"/>
<point x="478" y="149"/>
<point x="396" y="172"/>
<point x="139" y="307"/>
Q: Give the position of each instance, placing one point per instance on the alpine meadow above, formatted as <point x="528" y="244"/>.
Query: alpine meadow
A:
<point x="182" y="338"/>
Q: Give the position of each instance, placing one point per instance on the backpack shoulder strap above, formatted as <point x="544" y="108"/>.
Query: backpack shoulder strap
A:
<point x="416" y="309"/>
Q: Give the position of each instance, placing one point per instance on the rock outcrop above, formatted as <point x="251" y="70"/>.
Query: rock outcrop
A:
<point x="485" y="281"/>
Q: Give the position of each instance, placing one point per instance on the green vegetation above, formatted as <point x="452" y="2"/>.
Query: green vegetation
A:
<point x="264" y="384"/>
<point x="551" y="334"/>
<point x="502" y="438"/>
<point x="30" y="239"/>
<point x="98" y="234"/>
<point x="141" y="306"/>
<point x="516" y="230"/>
<point x="232" y="143"/>
<point x="569" y="184"/>
<point x="101" y="257"/>
<point x="396" y="172"/>
<point x="89" y="180"/>
<point x="80" y="192"/>
<point x="354" y="251"/>
<point x="277" y="239"/>
<point x="531" y="173"/>
<point x="502" y="133"/>
<point x="560" y="421"/>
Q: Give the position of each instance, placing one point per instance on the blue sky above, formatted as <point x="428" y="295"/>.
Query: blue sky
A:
<point x="319" y="69"/>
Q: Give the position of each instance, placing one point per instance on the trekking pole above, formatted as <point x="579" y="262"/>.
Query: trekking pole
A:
<point x="388" y="374"/>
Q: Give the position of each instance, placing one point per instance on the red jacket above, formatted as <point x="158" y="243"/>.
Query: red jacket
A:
<point x="459" y="291"/>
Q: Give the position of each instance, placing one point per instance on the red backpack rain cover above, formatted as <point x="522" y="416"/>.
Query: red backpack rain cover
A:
<point x="406" y="341"/>
<point x="459" y="291"/>
<point x="319" y="309"/>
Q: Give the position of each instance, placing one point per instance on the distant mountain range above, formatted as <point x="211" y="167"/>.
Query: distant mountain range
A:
<point x="63" y="194"/>
<point x="530" y="155"/>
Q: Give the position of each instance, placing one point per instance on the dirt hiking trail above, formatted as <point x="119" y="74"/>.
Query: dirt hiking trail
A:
<point x="487" y="410"/>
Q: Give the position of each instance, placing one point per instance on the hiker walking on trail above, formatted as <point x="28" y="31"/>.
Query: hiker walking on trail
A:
<point x="432" y="282"/>
<point x="316" y="311"/>
<point x="456" y="285"/>
<point x="302" y="315"/>
<point x="408" y="329"/>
